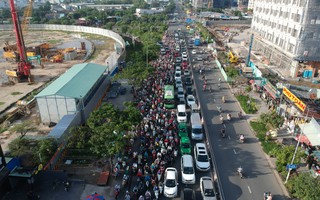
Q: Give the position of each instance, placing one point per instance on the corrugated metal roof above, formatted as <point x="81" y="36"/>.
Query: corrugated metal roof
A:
<point x="75" y="82"/>
<point x="61" y="127"/>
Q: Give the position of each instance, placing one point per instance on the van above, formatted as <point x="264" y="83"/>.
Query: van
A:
<point x="195" y="108"/>
<point x="163" y="51"/>
<point x="187" y="170"/>
<point x="181" y="114"/>
<point x="196" y="127"/>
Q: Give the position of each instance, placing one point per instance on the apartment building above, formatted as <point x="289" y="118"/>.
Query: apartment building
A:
<point x="201" y="3"/>
<point x="287" y="33"/>
<point x="251" y="4"/>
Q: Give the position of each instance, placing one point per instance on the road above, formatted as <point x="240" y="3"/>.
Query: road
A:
<point x="229" y="154"/>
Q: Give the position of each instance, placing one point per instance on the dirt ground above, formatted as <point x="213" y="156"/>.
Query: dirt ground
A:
<point x="12" y="93"/>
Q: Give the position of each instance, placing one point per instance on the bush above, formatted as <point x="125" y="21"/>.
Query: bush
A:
<point x="248" y="108"/>
<point x="272" y="120"/>
<point x="248" y="88"/>
<point x="269" y="147"/>
<point x="259" y="128"/>
<point x="231" y="72"/>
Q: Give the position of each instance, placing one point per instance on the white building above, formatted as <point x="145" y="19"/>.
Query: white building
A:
<point x="200" y="3"/>
<point x="18" y="3"/>
<point x="251" y="4"/>
<point x="288" y="32"/>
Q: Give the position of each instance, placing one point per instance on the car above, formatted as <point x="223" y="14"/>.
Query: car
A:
<point x="199" y="58"/>
<point x="184" y="64"/>
<point x="170" y="182"/>
<point x="178" y="69"/>
<point x="184" y="58"/>
<point x="176" y="54"/>
<point x="182" y="101"/>
<point x="179" y="83"/>
<point x="177" y="76"/>
<point x="189" y="90"/>
<point x="194" y="51"/>
<point x="184" y="54"/>
<point x="177" y="48"/>
<point x="185" y="145"/>
<point x="191" y="100"/>
<point x="201" y="157"/>
<point x="190" y="46"/>
<point x="187" y="72"/>
<point x="178" y="60"/>
<point x="181" y="113"/>
<point x="188" y="194"/>
<point x="188" y="175"/>
<point x="183" y="129"/>
<point x="188" y="81"/>
<point x="207" y="188"/>
<point x="180" y="92"/>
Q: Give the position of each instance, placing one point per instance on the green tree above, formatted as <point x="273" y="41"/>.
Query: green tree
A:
<point x="79" y="137"/>
<point x="284" y="156"/>
<point x="46" y="149"/>
<point x="24" y="127"/>
<point x="304" y="186"/>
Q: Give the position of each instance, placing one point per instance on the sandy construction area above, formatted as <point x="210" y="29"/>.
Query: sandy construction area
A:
<point x="10" y="94"/>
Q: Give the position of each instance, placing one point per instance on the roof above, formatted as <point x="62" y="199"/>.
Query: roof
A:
<point x="312" y="131"/>
<point x="61" y="127"/>
<point x="75" y="82"/>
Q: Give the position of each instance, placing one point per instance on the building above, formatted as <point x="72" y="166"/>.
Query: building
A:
<point x="287" y="34"/>
<point x="4" y="174"/>
<point x="251" y="4"/>
<point x="77" y="92"/>
<point x="198" y="4"/>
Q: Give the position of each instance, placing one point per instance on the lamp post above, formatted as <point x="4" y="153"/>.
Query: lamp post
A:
<point x="297" y="146"/>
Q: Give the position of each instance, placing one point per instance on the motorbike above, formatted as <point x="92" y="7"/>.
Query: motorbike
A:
<point x="147" y="195"/>
<point x="66" y="186"/>
<point x="240" y="172"/>
<point x="156" y="191"/>
<point x="223" y="99"/>
<point x="267" y="196"/>
<point x="223" y="133"/>
<point x="219" y="109"/>
<point x="159" y="175"/>
<point x="160" y="185"/>
<point x="221" y="119"/>
<point x="175" y="152"/>
<point x="127" y="196"/>
<point x="116" y="190"/>
<point x="125" y="180"/>
<point x="241" y="139"/>
<point x="229" y="117"/>
<point x="240" y="115"/>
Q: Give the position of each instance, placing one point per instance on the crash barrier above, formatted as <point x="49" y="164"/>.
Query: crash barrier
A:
<point x="112" y="60"/>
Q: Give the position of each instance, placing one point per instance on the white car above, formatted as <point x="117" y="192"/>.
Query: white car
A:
<point x="177" y="76"/>
<point x="187" y="72"/>
<point x="194" y="51"/>
<point x="181" y="113"/>
<point x="170" y="182"/>
<point x="178" y="69"/>
<point x="184" y="58"/>
<point x="179" y="83"/>
<point x="184" y="54"/>
<point x="178" y="60"/>
<point x="207" y="188"/>
<point x="201" y="157"/>
<point x="191" y="100"/>
<point x="187" y="170"/>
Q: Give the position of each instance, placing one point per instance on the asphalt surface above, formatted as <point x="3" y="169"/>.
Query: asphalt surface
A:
<point x="228" y="152"/>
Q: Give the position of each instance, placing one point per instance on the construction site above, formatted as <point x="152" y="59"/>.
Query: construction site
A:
<point x="30" y="59"/>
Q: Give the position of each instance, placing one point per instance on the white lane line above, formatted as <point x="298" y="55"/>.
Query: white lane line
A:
<point x="249" y="189"/>
<point x="234" y="151"/>
<point x="229" y="137"/>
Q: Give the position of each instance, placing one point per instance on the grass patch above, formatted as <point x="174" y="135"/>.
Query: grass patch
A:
<point x="249" y="108"/>
<point x="3" y="129"/>
<point x="54" y="41"/>
<point x="1" y="103"/>
<point x="15" y="93"/>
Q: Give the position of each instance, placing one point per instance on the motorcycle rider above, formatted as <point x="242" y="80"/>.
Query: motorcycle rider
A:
<point x="241" y="138"/>
<point x="240" y="171"/>
<point x="223" y="132"/>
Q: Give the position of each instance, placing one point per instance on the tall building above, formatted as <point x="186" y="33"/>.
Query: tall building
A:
<point x="200" y="3"/>
<point x="287" y="32"/>
<point x="251" y="4"/>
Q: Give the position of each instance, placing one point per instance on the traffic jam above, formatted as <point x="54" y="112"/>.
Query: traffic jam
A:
<point x="171" y="160"/>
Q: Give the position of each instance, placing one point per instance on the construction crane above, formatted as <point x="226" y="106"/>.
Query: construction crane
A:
<point x="22" y="72"/>
<point x="249" y="53"/>
<point x="27" y="16"/>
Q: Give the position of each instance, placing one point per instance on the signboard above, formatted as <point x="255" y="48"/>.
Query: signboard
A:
<point x="295" y="99"/>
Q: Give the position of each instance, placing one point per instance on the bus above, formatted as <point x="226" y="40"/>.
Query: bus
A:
<point x="169" y="96"/>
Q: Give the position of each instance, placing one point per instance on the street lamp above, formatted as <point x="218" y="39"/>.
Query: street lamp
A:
<point x="297" y="146"/>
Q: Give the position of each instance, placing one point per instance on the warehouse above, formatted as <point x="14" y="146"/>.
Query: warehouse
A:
<point x="77" y="92"/>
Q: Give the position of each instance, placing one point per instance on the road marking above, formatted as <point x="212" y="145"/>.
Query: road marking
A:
<point x="234" y="151"/>
<point x="249" y="189"/>
<point x="229" y="137"/>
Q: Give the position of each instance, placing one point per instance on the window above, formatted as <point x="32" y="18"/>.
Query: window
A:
<point x="313" y="20"/>
<point x="294" y="33"/>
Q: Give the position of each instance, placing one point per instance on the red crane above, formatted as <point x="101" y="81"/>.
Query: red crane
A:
<point x="23" y="70"/>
